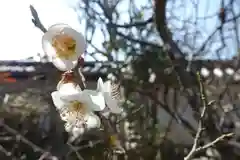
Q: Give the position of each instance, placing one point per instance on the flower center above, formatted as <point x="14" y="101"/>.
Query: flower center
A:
<point x="112" y="140"/>
<point x="64" y="45"/>
<point x="77" y="109"/>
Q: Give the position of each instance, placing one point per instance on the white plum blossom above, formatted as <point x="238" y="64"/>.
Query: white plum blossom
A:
<point x="63" y="45"/>
<point x="229" y="71"/>
<point x="218" y="72"/>
<point x="79" y="128"/>
<point x="205" y="72"/>
<point x="106" y="89"/>
<point x="76" y="107"/>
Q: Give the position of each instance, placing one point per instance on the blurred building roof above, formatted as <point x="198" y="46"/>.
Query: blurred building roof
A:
<point x="25" y="69"/>
<point x="29" y="66"/>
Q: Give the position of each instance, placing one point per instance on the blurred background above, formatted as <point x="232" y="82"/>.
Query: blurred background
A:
<point x="156" y="49"/>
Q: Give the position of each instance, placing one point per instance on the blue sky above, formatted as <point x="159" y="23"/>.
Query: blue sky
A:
<point x="20" y="39"/>
<point x="186" y="10"/>
<point x="205" y="26"/>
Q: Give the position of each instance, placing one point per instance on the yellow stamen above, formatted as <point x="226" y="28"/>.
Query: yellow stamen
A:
<point x="64" y="45"/>
<point x="74" y="111"/>
<point x="77" y="109"/>
<point x="112" y="140"/>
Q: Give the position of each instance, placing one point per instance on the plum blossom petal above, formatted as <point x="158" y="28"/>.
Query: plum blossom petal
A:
<point x="70" y="88"/>
<point x="72" y="92"/>
<point x="112" y="104"/>
<point x="91" y="122"/>
<point x="64" y="64"/>
<point x="76" y="106"/>
<point x="57" y="101"/>
<point x="64" y="45"/>
<point x="105" y="88"/>
<point x="95" y="99"/>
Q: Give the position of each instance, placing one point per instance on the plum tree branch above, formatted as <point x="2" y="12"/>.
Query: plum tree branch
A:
<point x="111" y="134"/>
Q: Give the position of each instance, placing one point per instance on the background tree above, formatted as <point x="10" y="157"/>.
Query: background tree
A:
<point x="160" y="43"/>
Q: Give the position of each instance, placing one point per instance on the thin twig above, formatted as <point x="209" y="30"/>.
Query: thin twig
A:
<point x="91" y="144"/>
<point x="129" y="115"/>
<point x="4" y="151"/>
<point x="222" y="137"/>
<point x="23" y="139"/>
<point x="195" y="149"/>
<point x="76" y="151"/>
<point x="44" y="156"/>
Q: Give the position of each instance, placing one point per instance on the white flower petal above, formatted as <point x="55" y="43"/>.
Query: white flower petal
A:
<point x="77" y="131"/>
<point x="218" y="72"/>
<point x="68" y="127"/>
<point x="68" y="116"/>
<point x="106" y="90"/>
<point x="229" y="71"/>
<point x="60" y="27"/>
<point x="57" y="101"/>
<point x="64" y="114"/>
<point x="107" y="86"/>
<point x="69" y="91"/>
<point x="236" y="77"/>
<point x="50" y="34"/>
<point x="112" y="104"/>
<point x="59" y="85"/>
<point x="93" y="121"/>
<point x="69" y="88"/>
<point x="205" y="72"/>
<point x="64" y="117"/>
<point x="56" y="28"/>
<point x="73" y="97"/>
<point x="95" y="100"/>
<point x="100" y="85"/>
<point x="63" y="64"/>
<point x="47" y="43"/>
<point x="47" y="47"/>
